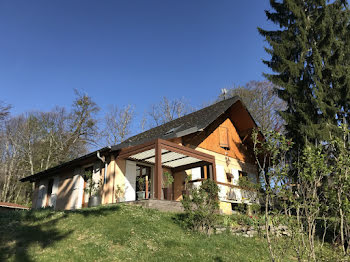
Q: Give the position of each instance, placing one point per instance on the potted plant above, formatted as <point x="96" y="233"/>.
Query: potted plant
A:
<point x="168" y="179"/>
<point x="119" y="194"/>
<point x="141" y="193"/>
<point x="93" y="190"/>
<point x="186" y="190"/>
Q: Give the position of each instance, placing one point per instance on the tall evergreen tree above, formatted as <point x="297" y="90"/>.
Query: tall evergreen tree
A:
<point x="310" y="58"/>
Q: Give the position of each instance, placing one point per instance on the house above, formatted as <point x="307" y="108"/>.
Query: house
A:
<point x="211" y="143"/>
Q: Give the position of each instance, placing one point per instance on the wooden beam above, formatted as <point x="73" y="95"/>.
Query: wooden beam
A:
<point x="213" y="168"/>
<point x="179" y="158"/>
<point x="146" y="189"/>
<point x="158" y="170"/>
<point x="145" y="159"/>
<point x="189" y="166"/>
<point x="205" y="172"/>
<point x="129" y="151"/>
<point x="186" y="151"/>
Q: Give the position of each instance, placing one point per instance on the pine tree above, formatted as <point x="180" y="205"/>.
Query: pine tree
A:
<point x="310" y="58"/>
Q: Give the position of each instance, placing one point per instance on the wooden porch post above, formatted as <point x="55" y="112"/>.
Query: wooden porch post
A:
<point x="158" y="170"/>
<point x="213" y="167"/>
<point x="146" y="189"/>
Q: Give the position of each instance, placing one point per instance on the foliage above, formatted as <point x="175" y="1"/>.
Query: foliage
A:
<point x="168" y="179"/>
<point x="93" y="188"/>
<point x="4" y="110"/>
<point x="247" y="220"/>
<point x="310" y="59"/>
<point x="188" y="178"/>
<point x="304" y="206"/>
<point x="141" y="183"/>
<point x="119" y="191"/>
<point x="312" y="170"/>
<point x="36" y="141"/>
<point x="202" y="207"/>
<point x="271" y="151"/>
<point x="338" y="186"/>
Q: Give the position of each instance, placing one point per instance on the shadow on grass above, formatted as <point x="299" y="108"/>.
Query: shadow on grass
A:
<point x="181" y="219"/>
<point x="19" y="230"/>
<point x="95" y="211"/>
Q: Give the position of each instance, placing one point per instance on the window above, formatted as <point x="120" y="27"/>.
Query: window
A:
<point x="202" y="172"/>
<point x="223" y="137"/>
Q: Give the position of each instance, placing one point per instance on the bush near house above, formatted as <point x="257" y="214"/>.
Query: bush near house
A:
<point x="201" y="207"/>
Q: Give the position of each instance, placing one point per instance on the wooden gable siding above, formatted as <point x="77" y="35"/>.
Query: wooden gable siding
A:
<point x="235" y="147"/>
<point x="209" y="139"/>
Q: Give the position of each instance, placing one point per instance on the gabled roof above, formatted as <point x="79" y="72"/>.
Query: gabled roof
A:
<point x="182" y="126"/>
<point x="188" y="124"/>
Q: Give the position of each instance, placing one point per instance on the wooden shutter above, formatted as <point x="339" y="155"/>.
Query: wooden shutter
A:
<point x="223" y="133"/>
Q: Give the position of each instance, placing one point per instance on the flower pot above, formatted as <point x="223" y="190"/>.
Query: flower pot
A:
<point x="94" y="201"/>
<point x="141" y="195"/>
<point x="121" y="199"/>
<point x="165" y="193"/>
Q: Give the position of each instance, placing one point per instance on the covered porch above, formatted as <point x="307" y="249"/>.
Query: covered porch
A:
<point x="161" y="156"/>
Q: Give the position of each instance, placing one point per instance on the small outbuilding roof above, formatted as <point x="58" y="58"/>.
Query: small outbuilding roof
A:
<point x="13" y="206"/>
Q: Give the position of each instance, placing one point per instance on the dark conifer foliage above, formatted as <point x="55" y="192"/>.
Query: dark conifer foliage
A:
<point x="310" y="60"/>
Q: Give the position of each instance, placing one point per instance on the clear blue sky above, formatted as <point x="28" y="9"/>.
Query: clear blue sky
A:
<point x="130" y="51"/>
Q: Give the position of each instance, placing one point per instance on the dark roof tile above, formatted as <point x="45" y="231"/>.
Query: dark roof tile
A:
<point x="187" y="124"/>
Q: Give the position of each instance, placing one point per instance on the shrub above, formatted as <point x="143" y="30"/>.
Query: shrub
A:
<point x="255" y="208"/>
<point x="202" y="207"/>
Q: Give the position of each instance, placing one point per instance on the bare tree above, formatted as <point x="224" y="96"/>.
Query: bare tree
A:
<point x="4" y="110"/>
<point x="143" y="122"/>
<point x="262" y="102"/>
<point x="36" y="141"/>
<point x="118" y="124"/>
<point x="167" y="110"/>
<point x="83" y="122"/>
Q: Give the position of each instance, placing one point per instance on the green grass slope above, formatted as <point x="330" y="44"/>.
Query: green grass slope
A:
<point x="115" y="233"/>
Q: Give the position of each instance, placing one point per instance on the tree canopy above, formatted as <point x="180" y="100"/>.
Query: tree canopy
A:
<point x="309" y="57"/>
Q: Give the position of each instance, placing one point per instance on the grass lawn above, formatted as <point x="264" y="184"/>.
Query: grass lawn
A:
<point x="116" y="233"/>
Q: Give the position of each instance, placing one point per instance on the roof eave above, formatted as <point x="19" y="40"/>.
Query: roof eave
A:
<point x="49" y="171"/>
